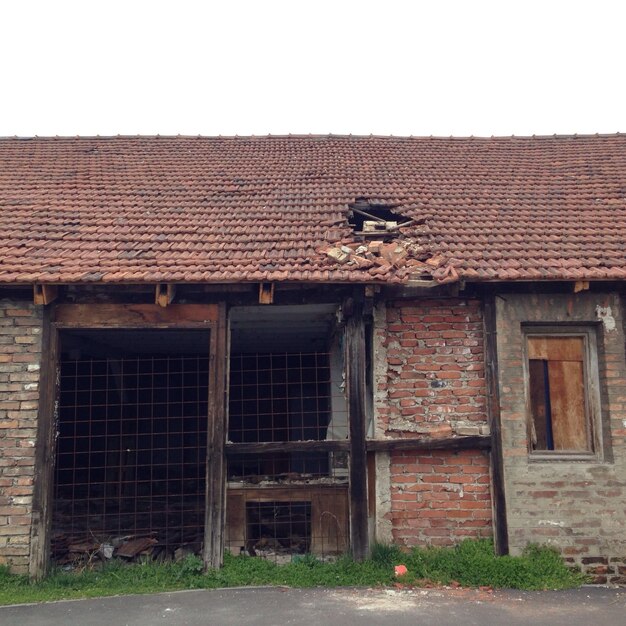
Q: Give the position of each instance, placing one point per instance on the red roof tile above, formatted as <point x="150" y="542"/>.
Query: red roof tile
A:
<point x="149" y="209"/>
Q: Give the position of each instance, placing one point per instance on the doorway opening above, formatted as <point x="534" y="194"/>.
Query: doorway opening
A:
<point x="287" y="448"/>
<point x="132" y="443"/>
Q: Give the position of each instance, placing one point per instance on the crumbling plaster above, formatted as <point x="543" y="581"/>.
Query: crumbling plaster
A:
<point x="576" y="506"/>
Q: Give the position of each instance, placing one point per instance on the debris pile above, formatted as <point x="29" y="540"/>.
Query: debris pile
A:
<point x="405" y="255"/>
<point x="81" y="539"/>
<point x="89" y="549"/>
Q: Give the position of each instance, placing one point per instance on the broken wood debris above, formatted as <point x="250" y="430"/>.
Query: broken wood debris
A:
<point x="131" y="549"/>
<point x="81" y="551"/>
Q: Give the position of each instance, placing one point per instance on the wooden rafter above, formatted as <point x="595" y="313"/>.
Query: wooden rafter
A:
<point x="44" y="294"/>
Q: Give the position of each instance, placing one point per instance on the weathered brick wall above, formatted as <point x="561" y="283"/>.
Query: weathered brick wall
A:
<point x="20" y="350"/>
<point x="576" y="506"/>
<point x="430" y="382"/>
<point x="440" y="498"/>
<point x="435" y="379"/>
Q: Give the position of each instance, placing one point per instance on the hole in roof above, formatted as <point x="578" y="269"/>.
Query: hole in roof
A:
<point x="373" y="218"/>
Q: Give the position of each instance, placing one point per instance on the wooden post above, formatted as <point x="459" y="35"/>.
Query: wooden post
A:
<point x="355" y="376"/>
<point x="216" y="465"/>
<point x="44" y="452"/>
<point x="501" y="533"/>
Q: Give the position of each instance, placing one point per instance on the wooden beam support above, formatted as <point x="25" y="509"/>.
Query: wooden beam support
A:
<point x="44" y="294"/>
<point x="215" y="512"/>
<point x="134" y="315"/>
<point x="501" y="532"/>
<point x="473" y="442"/>
<point x="288" y="446"/>
<point x="355" y="361"/>
<point x="165" y="294"/>
<point x="581" y="285"/>
<point x="45" y="451"/>
<point x="266" y="293"/>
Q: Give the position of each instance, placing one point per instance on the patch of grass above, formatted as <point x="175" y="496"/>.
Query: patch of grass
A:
<point x="472" y="563"/>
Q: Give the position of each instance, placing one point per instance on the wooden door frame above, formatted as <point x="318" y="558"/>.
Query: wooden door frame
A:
<point x="60" y="317"/>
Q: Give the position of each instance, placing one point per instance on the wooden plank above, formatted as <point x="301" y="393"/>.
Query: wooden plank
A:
<point x="44" y="452"/>
<point x="134" y="315"/>
<point x="538" y="408"/>
<point x="287" y="446"/>
<point x="469" y="442"/>
<point x="556" y="348"/>
<point x="501" y="532"/>
<point x="356" y="387"/>
<point x="329" y="522"/>
<point x="329" y="513"/>
<point x="216" y="464"/>
<point x="235" y="531"/>
<point x="44" y="294"/>
<point x="567" y="403"/>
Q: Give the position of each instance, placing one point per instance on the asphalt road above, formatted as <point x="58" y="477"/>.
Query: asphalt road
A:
<point x="341" y="607"/>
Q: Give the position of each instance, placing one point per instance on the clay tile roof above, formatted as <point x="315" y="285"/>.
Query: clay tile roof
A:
<point x="196" y="209"/>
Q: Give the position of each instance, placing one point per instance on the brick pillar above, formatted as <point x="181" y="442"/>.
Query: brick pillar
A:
<point x="20" y="353"/>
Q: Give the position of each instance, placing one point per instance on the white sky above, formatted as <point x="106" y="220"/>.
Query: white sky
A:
<point x="236" y="67"/>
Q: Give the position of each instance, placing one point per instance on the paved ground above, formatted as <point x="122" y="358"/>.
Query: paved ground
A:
<point x="342" y="607"/>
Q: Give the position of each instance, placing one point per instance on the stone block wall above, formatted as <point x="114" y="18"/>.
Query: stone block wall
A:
<point x="430" y="382"/>
<point x="577" y="506"/>
<point x="20" y="351"/>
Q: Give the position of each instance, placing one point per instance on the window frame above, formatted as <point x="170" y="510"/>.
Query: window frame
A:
<point x="591" y="380"/>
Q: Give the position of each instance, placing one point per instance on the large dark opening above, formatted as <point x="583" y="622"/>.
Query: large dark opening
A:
<point x="131" y="448"/>
<point x="287" y="386"/>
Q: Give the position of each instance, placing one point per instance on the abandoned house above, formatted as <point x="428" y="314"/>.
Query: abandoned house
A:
<point x="285" y="345"/>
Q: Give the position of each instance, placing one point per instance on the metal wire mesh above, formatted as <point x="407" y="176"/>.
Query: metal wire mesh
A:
<point x="284" y="504"/>
<point x="278" y="398"/>
<point x="281" y="524"/>
<point x="131" y="452"/>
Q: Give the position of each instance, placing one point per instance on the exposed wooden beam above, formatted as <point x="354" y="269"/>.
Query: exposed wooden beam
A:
<point x="44" y="452"/>
<point x="134" y="315"/>
<point x="355" y="377"/>
<point x="266" y="293"/>
<point x="473" y="442"/>
<point x="165" y="294"/>
<point x="501" y="532"/>
<point x="581" y="285"/>
<point x="44" y="294"/>
<point x="215" y="516"/>
<point x="288" y="446"/>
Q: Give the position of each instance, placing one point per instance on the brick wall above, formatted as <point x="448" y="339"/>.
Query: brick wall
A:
<point x="430" y="382"/>
<point x="577" y="506"/>
<point x="440" y="498"/>
<point x="435" y="378"/>
<point x="20" y="349"/>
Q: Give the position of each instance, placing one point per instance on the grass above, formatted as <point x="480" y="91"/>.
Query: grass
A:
<point x="472" y="563"/>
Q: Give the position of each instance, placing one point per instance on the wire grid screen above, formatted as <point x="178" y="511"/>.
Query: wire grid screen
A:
<point x="131" y="453"/>
<point x="279" y="398"/>
<point x="281" y="525"/>
<point x="275" y="528"/>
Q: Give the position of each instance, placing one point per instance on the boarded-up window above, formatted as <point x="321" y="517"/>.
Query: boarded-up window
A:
<point x="558" y="391"/>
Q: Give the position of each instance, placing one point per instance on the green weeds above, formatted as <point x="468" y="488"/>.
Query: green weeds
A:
<point x="472" y="564"/>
